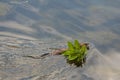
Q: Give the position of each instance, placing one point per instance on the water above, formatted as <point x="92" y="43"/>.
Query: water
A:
<point x="94" y="21"/>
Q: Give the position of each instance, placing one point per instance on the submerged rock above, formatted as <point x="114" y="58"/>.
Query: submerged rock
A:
<point x="16" y="63"/>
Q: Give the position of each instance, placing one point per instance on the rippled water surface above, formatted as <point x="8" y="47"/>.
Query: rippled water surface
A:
<point x="30" y="22"/>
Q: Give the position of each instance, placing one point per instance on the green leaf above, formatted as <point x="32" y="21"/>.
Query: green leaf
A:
<point x="78" y="59"/>
<point x="83" y="51"/>
<point x="76" y="53"/>
<point x="72" y="57"/>
<point x="70" y="46"/>
<point x="77" y="44"/>
<point x="84" y="48"/>
<point x="66" y="53"/>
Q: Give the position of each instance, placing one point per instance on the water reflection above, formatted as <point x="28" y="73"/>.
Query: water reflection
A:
<point x="69" y="18"/>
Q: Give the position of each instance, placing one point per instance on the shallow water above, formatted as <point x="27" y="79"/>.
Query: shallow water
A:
<point x="26" y="23"/>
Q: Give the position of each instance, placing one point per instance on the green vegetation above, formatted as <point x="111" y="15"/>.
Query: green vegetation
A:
<point x="76" y="53"/>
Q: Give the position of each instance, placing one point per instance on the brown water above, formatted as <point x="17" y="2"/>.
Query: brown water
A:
<point x="30" y="22"/>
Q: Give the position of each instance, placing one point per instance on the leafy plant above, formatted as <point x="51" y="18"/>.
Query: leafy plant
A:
<point x="76" y="53"/>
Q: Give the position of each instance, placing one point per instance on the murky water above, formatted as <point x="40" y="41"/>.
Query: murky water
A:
<point x="26" y="23"/>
